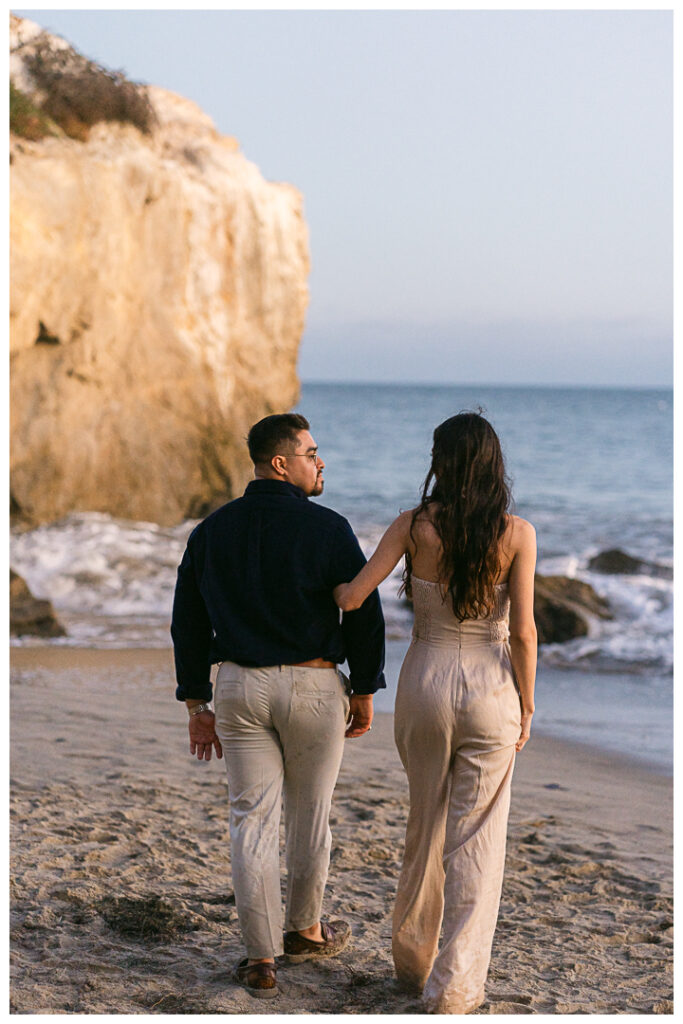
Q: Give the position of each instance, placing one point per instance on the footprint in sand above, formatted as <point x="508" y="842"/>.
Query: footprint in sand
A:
<point x="510" y="1004"/>
<point x="532" y="839"/>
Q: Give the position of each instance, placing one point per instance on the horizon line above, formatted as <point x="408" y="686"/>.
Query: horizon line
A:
<point x="572" y="386"/>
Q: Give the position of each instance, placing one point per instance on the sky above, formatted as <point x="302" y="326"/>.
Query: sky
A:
<point x="489" y="194"/>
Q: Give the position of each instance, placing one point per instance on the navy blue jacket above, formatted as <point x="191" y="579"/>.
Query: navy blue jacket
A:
<point x="255" y="587"/>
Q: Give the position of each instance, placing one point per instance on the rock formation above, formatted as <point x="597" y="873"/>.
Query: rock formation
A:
<point x="618" y="562"/>
<point x="158" y="293"/>
<point x="563" y="608"/>
<point x="30" y="616"/>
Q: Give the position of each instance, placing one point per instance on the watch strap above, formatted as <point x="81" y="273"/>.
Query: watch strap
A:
<point x="198" y="708"/>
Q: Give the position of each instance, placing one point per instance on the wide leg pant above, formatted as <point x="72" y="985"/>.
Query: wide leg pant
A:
<point x="457" y="720"/>
<point x="282" y="729"/>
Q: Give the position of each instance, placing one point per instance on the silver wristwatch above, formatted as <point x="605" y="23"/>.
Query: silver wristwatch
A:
<point x="198" y="708"/>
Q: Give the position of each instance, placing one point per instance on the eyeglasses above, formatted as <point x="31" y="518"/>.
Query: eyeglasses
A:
<point x="311" y="456"/>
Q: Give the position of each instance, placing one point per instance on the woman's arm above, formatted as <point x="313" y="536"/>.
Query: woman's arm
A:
<point x="523" y="639"/>
<point x="391" y="547"/>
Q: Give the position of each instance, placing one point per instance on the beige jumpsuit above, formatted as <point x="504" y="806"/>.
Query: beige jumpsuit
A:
<point x="457" y="720"/>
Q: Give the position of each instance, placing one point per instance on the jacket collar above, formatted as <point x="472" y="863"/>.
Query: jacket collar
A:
<point x="257" y="487"/>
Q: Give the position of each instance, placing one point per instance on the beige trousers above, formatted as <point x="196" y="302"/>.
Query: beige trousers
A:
<point x="282" y="731"/>
<point x="457" y="719"/>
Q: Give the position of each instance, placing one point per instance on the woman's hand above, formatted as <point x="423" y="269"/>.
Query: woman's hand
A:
<point x="526" y="730"/>
<point x="340" y="594"/>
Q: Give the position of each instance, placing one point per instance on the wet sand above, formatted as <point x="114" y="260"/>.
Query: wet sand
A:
<point x="121" y="892"/>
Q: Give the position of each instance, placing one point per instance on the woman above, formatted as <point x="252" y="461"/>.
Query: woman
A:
<point x="464" y="706"/>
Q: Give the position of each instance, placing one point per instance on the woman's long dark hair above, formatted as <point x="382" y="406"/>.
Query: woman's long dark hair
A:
<point x="468" y="506"/>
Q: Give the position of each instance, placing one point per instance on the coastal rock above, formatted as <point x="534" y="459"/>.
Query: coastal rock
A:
<point x="28" y="614"/>
<point x="618" y="562"/>
<point x="556" y="622"/>
<point x="563" y="607"/>
<point x="158" y="293"/>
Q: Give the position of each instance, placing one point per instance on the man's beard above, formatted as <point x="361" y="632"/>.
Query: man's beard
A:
<point x="318" y="489"/>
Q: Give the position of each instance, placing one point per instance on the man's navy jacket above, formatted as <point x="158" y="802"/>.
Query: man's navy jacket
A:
<point x="255" y="587"/>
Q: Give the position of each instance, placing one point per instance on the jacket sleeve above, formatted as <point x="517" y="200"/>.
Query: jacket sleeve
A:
<point x="363" y="629"/>
<point x="191" y="630"/>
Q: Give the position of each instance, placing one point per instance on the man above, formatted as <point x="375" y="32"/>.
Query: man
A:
<point x="254" y="593"/>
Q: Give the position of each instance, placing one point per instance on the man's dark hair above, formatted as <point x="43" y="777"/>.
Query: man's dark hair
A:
<point x="275" y="435"/>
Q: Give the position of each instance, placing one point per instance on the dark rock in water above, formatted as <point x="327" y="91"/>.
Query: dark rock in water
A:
<point x="615" y="561"/>
<point x="562" y="607"/>
<point x="30" y="616"/>
<point x="556" y="623"/>
<point x="574" y="592"/>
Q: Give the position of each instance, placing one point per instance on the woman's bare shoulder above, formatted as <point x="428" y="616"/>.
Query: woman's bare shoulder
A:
<point x="418" y="529"/>
<point x="519" y="533"/>
<point x="403" y="520"/>
<point x="420" y="515"/>
<point x="400" y="528"/>
<point x="424" y="520"/>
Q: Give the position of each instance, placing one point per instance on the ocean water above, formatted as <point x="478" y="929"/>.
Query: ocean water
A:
<point x="592" y="469"/>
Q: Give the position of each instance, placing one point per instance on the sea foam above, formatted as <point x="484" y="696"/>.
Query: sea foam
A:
<point x="112" y="582"/>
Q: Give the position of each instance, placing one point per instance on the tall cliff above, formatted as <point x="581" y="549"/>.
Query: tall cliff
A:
<point x="158" y="293"/>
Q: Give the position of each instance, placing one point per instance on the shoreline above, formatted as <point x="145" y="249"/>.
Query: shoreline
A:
<point x="108" y="806"/>
<point x="58" y="656"/>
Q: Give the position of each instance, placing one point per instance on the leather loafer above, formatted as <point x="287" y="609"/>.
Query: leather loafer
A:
<point x="336" y="936"/>
<point x="260" y="980"/>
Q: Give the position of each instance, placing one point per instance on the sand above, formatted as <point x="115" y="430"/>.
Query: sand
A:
<point x="121" y="891"/>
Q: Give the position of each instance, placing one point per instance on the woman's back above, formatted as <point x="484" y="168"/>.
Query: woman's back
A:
<point x="435" y="623"/>
<point x="463" y="705"/>
<point x="427" y="550"/>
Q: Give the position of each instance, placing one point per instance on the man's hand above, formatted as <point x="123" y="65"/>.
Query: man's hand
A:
<point x="203" y="736"/>
<point x="360" y="709"/>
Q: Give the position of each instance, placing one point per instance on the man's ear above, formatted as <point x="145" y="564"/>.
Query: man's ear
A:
<point x="277" y="464"/>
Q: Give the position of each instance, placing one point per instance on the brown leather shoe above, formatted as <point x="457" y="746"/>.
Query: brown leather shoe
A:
<point x="260" y="980"/>
<point x="336" y="937"/>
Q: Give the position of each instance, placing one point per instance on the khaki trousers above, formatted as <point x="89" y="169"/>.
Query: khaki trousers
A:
<point x="457" y="719"/>
<point x="282" y="731"/>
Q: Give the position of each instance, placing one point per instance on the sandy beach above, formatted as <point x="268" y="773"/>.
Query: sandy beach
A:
<point x="121" y="891"/>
